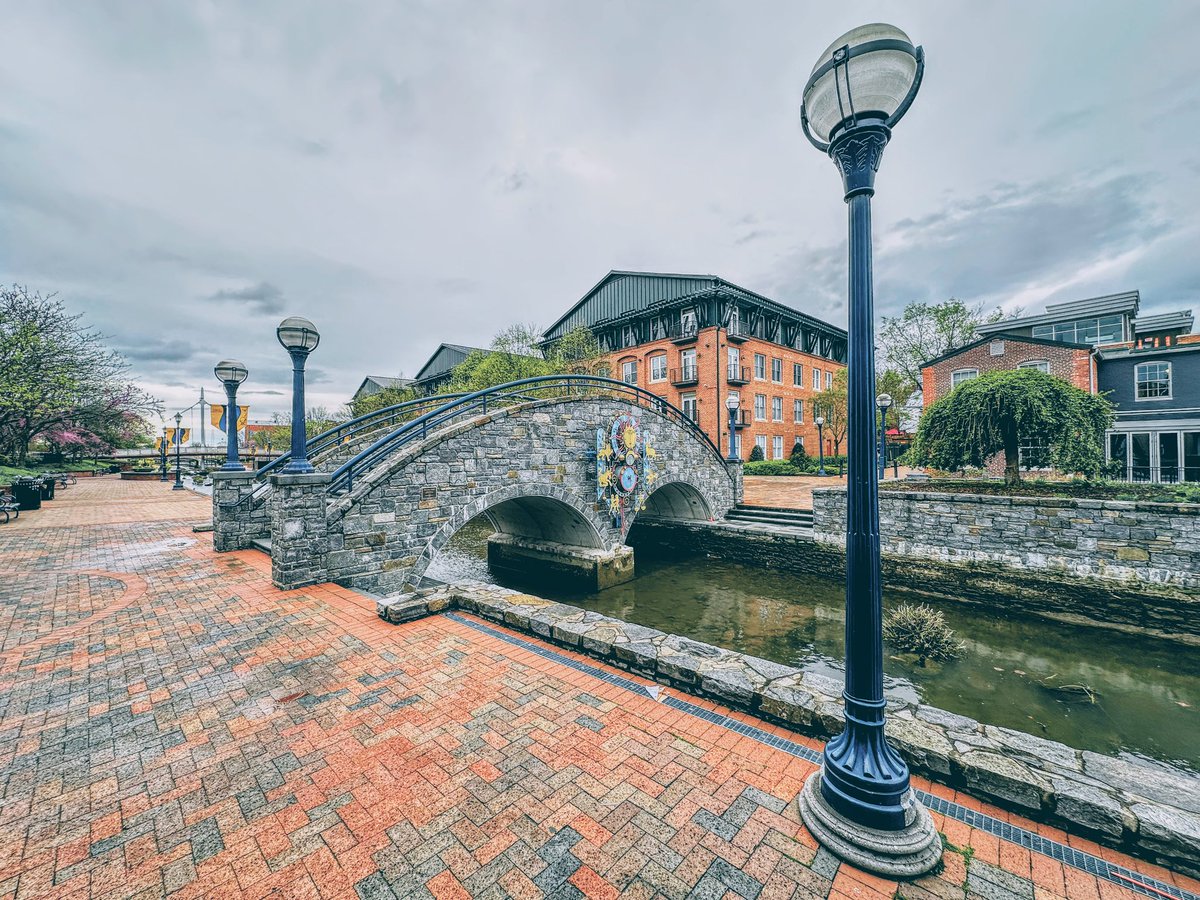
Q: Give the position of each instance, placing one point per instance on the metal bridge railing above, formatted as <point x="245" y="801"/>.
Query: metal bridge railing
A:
<point x="478" y="403"/>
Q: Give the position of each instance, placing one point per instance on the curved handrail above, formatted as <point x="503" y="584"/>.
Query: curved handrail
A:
<point x="350" y="427"/>
<point x="342" y="478"/>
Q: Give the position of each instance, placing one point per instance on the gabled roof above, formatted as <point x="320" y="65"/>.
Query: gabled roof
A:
<point x="382" y="382"/>
<point x="1003" y="336"/>
<point x="445" y="358"/>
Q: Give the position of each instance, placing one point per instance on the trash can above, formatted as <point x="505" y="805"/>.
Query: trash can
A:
<point x="27" y="492"/>
<point x="47" y="487"/>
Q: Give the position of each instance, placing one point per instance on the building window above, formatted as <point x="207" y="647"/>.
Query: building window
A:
<point x="687" y="362"/>
<point x="1042" y="365"/>
<point x="735" y="322"/>
<point x="658" y="368"/>
<point x="777" y="447"/>
<point x="687" y="321"/>
<point x="962" y="376"/>
<point x="828" y="381"/>
<point x="760" y="366"/>
<point x="797" y="411"/>
<point x="776" y="409"/>
<point x="816" y="378"/>
<point x="737" y="444"/>
<point x="1152" y="381"/>
<point x="687" y="402"/>
<point x="760" y="407"/>
<point x="760" y="441"/>
<point x="777" y="370"/>
<point x="797" y="375"/>
<point x="1102" y="330"/>
<point x="800" y="441"/>
<point x="629" y="371"/>
<point x="1033" y="453"/>
<point x="658" y="328"/>
<point x="629" y="335"/>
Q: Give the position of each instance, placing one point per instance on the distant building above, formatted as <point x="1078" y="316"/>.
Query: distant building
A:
<point x="696" y="339"/>
<point x="436" y="373"/>
<point x="1149" y="366"/>
<point x="373" y="384"/>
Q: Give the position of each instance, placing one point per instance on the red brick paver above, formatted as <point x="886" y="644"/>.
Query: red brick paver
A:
<point x="172" y="724"/>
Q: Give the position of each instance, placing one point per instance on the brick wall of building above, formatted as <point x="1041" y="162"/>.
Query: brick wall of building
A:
<point x="1071" y="363"/>
<point x="712" y="386"/>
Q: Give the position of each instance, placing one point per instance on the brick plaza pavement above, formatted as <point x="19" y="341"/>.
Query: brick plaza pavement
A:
<point x="171" y="724"/>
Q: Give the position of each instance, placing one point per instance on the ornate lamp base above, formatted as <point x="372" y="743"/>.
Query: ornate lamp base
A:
<point x="908" y="853"/>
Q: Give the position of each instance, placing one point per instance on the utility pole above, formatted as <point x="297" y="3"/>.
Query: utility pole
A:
<point x="203" y="440"/>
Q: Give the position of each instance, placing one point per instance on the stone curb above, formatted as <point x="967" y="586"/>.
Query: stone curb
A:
<point x="1138" y="808"/>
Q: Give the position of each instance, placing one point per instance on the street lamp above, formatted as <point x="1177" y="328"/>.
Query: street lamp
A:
<point x="860" y="804"/>
<point x="884" y="402"/>
<point x="299" y="338"/>
<point x="163" y="454"/>
<point x="732" y="402"/>
<point x="231" y="373"/>
<point x="820" y="420"/>
<point x="178" y="486"/>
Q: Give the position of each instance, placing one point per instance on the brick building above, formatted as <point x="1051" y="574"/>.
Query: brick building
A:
<point x="1148" y="366"/>
<point x="695" y="339"/>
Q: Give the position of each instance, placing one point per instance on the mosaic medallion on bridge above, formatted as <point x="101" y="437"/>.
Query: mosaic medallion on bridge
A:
<point x="624" y="468"/>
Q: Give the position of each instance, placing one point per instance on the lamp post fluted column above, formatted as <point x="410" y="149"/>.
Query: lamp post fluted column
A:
<point x="860" y="804"/>
<point x="178" y="486"/>
<point x="299" y="337"/>
<point x="162" y="446"/>
<point x="231" y="374"/>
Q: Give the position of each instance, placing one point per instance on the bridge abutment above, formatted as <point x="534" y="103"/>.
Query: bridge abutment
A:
<point x="299" y="529"/>
<point x="585" y="567"/>
<point x="236" y="523"/>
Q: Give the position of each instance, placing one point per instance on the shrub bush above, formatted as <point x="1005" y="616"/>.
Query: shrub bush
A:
<point x="922" y="630"/>
<point x="756" y="454"/>
<point x="770" y="467"/>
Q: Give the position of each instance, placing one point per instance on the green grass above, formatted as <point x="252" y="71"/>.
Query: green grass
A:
<point x="8" y="473"/>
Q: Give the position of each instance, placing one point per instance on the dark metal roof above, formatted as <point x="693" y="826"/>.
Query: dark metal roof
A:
<point x="1125" y="303"/>
<point x="445" y="358"/>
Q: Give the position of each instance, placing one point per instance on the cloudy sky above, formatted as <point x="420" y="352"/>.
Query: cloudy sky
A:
<point x="409" y="173"/>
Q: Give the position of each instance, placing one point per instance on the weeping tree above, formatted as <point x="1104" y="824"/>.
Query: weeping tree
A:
<point x="997" y="411"/>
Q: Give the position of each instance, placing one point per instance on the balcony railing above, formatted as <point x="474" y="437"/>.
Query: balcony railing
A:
<point x="686" y="375"/>
<point x="1154" y="474"/>
<point x="738" y="374"/>
<point x="737" y="333"/>
<point x="740" y="419"/>
<point x="683" y="332"/>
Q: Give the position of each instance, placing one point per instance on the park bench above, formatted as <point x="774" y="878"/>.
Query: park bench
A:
<point x="9" y="508"/>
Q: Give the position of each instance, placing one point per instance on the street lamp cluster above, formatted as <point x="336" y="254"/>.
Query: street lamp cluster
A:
<point x="299" y="337"/>
<point x="860" y="803"/>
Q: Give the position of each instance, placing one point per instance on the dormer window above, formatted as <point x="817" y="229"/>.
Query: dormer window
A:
<point x="735" y="322"/>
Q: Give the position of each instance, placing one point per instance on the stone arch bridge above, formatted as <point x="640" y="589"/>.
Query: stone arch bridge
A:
<point x="561" y="467"/>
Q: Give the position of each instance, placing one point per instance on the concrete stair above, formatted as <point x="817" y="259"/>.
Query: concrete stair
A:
<point x="771" y="516"/>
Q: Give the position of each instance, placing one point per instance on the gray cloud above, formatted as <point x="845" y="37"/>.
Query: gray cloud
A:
<point x="155" y="350"/>
<point x="264" y="297"/>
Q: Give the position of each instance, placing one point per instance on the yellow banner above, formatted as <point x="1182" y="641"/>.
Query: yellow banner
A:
<point x="180" y="436"/>
<point x="217" y="416"/>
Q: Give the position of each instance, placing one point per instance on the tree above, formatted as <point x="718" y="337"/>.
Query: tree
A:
<point x="391" y="396"/>
<point x="317" y="420"/>
<point x="798" y="457"/>
<point x="832" y="404"/>
<point x="514" y="355"/>
<point x="756" y="453"/>
<point x="927" y="330"/>
<point x="57" y="378"/>
<point x="895" y="383"/>
<point x="997" y="411"/>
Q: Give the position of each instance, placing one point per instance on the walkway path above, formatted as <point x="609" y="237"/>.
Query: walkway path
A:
<point x="172" y="724"/>
<point x="792" y="491"/>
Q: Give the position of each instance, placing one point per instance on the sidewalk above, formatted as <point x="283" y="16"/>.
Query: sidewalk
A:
<point x="794" y="491"/>
<point x="173" y="724"/>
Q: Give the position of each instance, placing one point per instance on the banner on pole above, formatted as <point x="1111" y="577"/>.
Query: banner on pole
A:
<point x="217" y="412"/>
<point x="178" y="436"/>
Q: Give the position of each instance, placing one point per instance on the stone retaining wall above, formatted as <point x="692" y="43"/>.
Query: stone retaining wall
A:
<point x="1139" y="808"/>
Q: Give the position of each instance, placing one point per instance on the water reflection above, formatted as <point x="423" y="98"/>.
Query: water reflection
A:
<point x="1147" y="692"/>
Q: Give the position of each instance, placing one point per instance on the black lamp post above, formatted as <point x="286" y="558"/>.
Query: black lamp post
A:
<point x="178" y="486"/>
<point x="884" y="402"/>
<point x="732" y="402"/>
<point x="162" y="447"/>
<point x="820" y="420"/>
<point x="860" y="804"/>
<point x="299" y="338"/>
<point x="231" y="373"/>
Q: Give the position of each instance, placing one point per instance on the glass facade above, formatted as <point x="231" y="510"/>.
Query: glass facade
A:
<point x="1159" y="456"/>
<point x="1101" y="330"/>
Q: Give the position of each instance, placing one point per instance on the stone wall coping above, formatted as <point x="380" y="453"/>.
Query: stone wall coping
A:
<point x="300" y="479"/>
<point x="1187" y="509"/>
<point x="232" y="476"/>
<point x="1139" y="807"/>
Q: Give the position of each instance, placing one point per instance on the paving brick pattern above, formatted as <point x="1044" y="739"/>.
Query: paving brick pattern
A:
<point x="171" y="724"/>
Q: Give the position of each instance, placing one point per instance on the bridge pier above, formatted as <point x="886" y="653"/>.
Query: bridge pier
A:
<point x="587" y="567"/>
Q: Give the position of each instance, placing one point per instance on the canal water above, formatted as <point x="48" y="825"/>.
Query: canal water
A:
<point x="1144" y="693"/>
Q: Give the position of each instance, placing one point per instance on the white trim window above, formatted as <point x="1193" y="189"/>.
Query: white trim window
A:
<point x="1042" y="365"/>
<point x="777" y="447"/>
<point x="776" y="409"/>
<point x="816" y="378"/>
<point x="760" y="407"/>
<point x="760" y="367"/>
<point x="629" y="371"/>
<point x="797" y="375"/>
<point x="828" y="381"/>
<point x="798" y="412"/>
<point x="687" y="322"/>
<point x="777" y="370"/>
<point x="658" y="367"/>
<point x="760" y="441"/>
<point x="1152" y="381"/>
<point x="687" y="402"/>
<point x="735" y="321"/>
<point x="962" y="376"/>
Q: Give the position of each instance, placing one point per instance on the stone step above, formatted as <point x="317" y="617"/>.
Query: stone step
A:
<point x="795" y="518"/>
<point x="263" y="544"/>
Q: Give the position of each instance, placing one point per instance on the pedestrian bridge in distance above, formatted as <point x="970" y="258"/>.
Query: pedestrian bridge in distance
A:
<point x="560" y="466"/>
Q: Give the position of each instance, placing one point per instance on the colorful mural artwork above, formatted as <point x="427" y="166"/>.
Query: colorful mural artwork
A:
<point x="624" y="469"/>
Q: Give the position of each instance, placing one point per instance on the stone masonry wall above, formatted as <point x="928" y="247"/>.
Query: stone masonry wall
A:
<point x="541" y="455"/>
<point x="299" y="531"/>
<point x="237" y="520"/>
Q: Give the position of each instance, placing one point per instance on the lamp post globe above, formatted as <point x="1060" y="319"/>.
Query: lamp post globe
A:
<point x="299" y="337"/>
<point x="732" y="402"/>
<point x="231" y="373"/>
<point x="178" y="486"/>
<point x="884" y="402"/>
<point x="820" y="423"/>
<point x="860" y="804"/>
